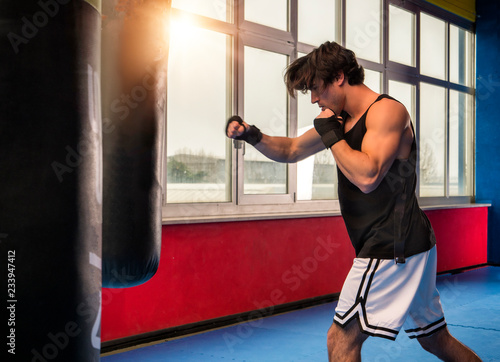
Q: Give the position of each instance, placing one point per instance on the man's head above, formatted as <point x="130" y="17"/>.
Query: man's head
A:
<point x="323" y="66"/>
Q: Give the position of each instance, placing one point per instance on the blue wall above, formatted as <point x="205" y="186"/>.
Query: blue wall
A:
<point x="488" y="118"/>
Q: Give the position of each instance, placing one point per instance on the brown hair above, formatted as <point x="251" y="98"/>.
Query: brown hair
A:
<point x="325" y="63"/>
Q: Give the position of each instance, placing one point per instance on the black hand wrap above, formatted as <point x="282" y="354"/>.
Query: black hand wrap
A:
<point x="252" y="134"/>
<point x="330" y="129"/>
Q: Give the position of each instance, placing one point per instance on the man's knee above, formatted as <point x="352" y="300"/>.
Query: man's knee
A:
<point x="347" y="337"/>
<point x="446" y="347"/>
<point x="435" y="341"/>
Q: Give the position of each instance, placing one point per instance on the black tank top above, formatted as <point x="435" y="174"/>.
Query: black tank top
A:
<point x="390" y="212"/>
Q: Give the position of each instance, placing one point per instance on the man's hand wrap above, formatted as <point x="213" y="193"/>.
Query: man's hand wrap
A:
<point x="252" y="134"/>
<point x="330" y="129"/>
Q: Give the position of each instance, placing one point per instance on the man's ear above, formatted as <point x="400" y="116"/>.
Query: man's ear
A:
<point x="340" y="78"/>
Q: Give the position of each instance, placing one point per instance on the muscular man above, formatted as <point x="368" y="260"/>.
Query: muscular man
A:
<point x="391" y="284"/>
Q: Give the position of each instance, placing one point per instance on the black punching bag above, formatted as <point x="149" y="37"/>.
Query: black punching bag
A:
<point x="134" y="68"/>
<point x="50" y="180"/>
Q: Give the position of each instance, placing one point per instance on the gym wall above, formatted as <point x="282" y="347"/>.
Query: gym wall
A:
<point x="487" y="135"/>
<point x="214" y="270"/>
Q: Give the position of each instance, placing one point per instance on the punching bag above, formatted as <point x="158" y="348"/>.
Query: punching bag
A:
<point x="50" y="180"/>
<point x="134" y="68"/>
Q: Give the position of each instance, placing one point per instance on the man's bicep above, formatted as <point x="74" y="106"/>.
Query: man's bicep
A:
<point x="382" y="140"/>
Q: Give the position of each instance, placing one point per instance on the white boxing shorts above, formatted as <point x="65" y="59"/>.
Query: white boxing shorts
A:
<point x="384" y="296"/>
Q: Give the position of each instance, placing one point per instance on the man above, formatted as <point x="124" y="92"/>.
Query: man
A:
<point x="392" y="282"/>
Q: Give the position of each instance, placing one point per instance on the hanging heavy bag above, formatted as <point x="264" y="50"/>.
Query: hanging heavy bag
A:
<point x="134" y="62"/>
<point x="50" y="180"/>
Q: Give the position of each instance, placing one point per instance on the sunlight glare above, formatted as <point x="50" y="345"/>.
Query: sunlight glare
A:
<point x="183" y="29"/>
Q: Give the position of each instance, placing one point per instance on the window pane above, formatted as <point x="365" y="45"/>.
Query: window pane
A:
<point x="317" y="21"/>
<point x="316" y="175"/>
<point x="432" y="46"/>
<point x="460" y="168"/>
<point x="213" y="9"/>
<point x="265" y="106"/>
<point x="460" y="56"/>
<point x="363" y="28"/>
<point x="401" y="36"/>
<point x="273" y="13"/>
<point x="405" y="93"/>
<point x="373" y="80"/>
<point x="432" y="140"/>
<point x="196" y="169"/>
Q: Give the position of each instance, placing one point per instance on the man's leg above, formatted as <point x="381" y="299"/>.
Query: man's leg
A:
<point x="344" y="344"/>
<point x="446" y="347"/>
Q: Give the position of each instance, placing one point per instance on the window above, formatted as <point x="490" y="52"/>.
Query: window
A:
<point x="432" y="140"/>
<point x="364" y="28"/>
<point x="405" y="93"/>
<point x="373" y="79"/>
<point x="272" y="13"/>
<point x="438" y="92"/>
<point x="460" y="143"/>
<point x="318" y="21"/>
<point x="265" y="104"/>
<point x="432" y="46"/>
<point x="461" y="46"/>
<point x="401" y="36"/>
<point x="198" y="155"/>
<point x="229" y="56"/>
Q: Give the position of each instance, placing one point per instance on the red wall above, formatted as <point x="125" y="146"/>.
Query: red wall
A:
<point x="219" y="269"/>
<point x="462" y="236"/>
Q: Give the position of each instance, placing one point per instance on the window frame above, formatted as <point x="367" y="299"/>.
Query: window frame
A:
<point x="282" y="48"/>
<point x="415" y="77"/>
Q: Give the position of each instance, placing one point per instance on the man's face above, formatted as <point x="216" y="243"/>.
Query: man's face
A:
<point x="326" y="96"/>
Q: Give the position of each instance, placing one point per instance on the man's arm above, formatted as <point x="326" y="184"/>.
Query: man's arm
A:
<point x="282" y="149"/>
<point x="388" y="137"/>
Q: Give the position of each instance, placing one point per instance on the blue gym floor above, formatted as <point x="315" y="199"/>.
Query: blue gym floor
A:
<point x="471" y="301"/>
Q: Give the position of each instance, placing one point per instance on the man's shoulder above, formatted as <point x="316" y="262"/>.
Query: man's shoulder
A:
<point x="388" y="103"/>
<point x="387" y="111"/>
